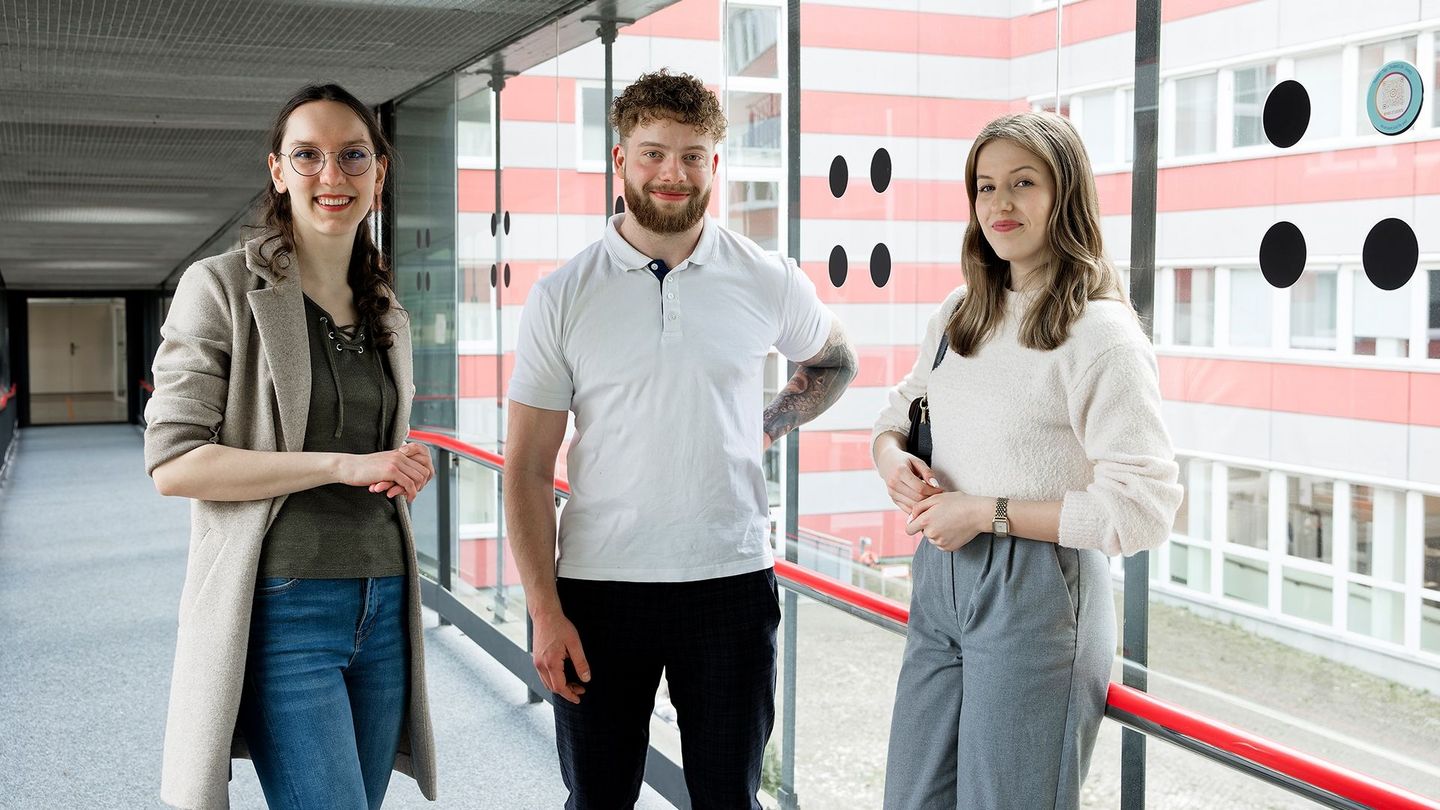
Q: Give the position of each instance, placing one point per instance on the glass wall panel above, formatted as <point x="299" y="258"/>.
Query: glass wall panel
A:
<point x="425" y="266"/>
<point x="1308" y="393"/>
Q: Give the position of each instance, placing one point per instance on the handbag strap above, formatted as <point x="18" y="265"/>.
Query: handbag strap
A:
<point x="940" y="353"/>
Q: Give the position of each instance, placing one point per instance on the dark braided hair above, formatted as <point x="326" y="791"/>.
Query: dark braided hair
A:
<point x="369" y="275"/>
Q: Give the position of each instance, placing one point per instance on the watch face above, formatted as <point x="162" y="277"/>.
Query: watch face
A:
<point x="1002" y="526"/>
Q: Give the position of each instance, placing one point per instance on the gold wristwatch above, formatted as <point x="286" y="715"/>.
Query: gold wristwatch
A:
<point x="1001" y="526"/>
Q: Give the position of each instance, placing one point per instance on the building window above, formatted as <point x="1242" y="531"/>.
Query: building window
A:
<point x="1432" y="349"/>
<point x="1372" y="56"/>
<point x="1195" y="115"/>
<point x="1251" y="305"/>
<point x="1097" y="126"/>
<point x="1382" y="319"/>
<point x="1193" y="518"/>
<point x="1194" y="316"/>
<point x="1431" y="574"/>
<point x="1310" y="518"/>
<point x="1248" y="507"/>
<point x="1377" y="533"/>
<point x="474" y="122"/>
<point x="1322" y="76"/>
<point x="594" y="120"/>
<point x="754" y="210"/>
<point x="752" y="36"/>
<point x="1127" y="128"/>
<point x="1313" y="311"/>
<point x="756" y="121"/>
<point x="1252" y="85"/>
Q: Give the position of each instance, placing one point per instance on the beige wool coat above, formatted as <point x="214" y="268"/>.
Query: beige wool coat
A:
<point x="234" y="368"/>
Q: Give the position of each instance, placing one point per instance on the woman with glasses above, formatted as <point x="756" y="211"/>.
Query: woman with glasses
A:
<point x="1049" y="454"/>
<point x="282" y="400"/>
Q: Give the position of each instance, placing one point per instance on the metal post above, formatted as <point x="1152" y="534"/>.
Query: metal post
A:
<point x="1142" y="293"/>
<point x="607" y="31"/>
<point x="497" y="85"/>
<point x="789" y="799"/>
<point x="500" y="548"/>
<point x="444" y="518"/>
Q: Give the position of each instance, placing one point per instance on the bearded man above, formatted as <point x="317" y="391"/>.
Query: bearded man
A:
<point x="656" y="338"/>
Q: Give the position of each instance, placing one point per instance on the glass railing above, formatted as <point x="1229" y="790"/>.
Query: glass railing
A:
<point x="840" y="650"/>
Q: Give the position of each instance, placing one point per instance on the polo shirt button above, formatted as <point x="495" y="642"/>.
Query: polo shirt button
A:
<point x="670" y="295"/>
<point x="654" y="266"/>
<point x="673" y="316"/>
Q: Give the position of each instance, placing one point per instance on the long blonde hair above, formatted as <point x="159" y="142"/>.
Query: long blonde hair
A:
<point x="1078" y="272"/>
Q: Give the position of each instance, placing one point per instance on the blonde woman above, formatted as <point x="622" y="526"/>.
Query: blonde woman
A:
<point x="1049" y="455"/>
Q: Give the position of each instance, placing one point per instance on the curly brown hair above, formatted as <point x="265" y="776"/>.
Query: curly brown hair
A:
<point x="658" y="95"/>
<point x="369" y="275"/>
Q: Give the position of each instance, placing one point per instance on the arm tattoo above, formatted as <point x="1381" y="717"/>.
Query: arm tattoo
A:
<point x="817" y="384"/>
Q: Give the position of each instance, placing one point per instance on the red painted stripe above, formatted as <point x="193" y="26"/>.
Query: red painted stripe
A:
<point x="886" y="530"/>
<point x="835" y="450"/>
<point x="477" y="374"/>
<point x="687" y="19"/>
<point x="1180" y="9"/>
<point x="1114" y="192"/>
<point x="873" y="29"/>
<point x="548" y="99"/>
<point x="533" y="191"/>
<point x="1425" y="399"/>
<point x="474" y="283"/>
<point x="900" y="116"/>
<point x="909" y="283"/>
<point x="1377" y="395"/>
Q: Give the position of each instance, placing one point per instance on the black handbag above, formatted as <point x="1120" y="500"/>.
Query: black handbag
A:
<point x="918" y="442"/>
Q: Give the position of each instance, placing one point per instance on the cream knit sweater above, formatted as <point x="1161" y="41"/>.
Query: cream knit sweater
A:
<point x="1080" y="424"/>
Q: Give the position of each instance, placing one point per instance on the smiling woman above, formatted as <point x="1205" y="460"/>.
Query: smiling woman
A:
<point x="282" y="400"/>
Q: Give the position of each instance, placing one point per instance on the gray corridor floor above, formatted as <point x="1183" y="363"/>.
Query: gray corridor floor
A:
<point x="91" y="564"/>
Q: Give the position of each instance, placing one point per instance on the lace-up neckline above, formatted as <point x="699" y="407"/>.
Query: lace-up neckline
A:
<point x="348" y="338"/>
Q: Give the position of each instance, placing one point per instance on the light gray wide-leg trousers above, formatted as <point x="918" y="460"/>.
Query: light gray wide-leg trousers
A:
<point x="1002" y="688"/>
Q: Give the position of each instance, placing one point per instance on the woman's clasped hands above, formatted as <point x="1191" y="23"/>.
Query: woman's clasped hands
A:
<point x="394" y="472"/>
<point x="948" y="520"/>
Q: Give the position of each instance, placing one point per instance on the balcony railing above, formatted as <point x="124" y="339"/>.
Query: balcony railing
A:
<point x="487" y="587"/>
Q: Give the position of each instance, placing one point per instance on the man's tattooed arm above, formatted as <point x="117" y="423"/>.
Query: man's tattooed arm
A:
<point x="817" y="384"/>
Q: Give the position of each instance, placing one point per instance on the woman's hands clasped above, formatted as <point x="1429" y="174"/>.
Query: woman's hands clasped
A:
<point x="948" y="519"/>
<point x="394" y="472"/>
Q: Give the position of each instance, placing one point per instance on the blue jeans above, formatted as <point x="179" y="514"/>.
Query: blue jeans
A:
<point x="326" y="686"/>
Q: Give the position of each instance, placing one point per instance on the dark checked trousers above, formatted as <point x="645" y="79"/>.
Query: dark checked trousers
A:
<point x="715" y="641"/>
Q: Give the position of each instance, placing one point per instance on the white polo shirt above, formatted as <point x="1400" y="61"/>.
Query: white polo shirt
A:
<point x="667" y="383"/>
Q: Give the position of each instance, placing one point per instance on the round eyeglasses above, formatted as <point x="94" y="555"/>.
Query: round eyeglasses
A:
<point x="310" y="161"/>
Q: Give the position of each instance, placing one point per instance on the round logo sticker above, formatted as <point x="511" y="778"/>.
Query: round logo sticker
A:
<point x="1394" y="98"/>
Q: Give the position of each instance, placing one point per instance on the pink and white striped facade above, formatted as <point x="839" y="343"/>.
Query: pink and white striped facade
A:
<point x="1321" y="401"/>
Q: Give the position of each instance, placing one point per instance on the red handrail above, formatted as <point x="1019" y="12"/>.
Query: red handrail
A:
<point x="1296" y="764"/>
<point x="1302" y="767"/>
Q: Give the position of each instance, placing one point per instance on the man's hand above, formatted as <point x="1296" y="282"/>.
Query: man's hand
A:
<point x="556" y="641"/>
